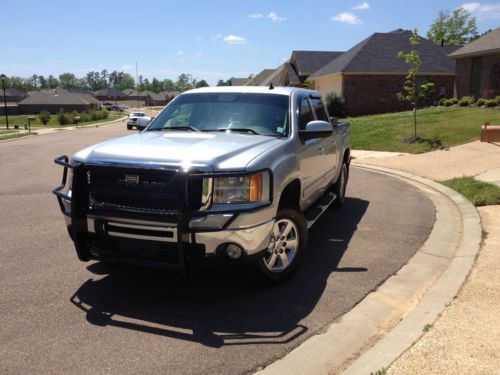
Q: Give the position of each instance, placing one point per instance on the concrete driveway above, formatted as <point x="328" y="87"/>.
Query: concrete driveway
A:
<point x="59" y="315"/>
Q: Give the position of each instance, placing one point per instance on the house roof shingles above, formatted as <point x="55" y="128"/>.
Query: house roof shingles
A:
<point x="238" y="81"/>
<point x="110" y="92"/>
<point x="57" y="96"/>
<point x="259" y="78"/>
<point x="293" y="78"/>
<point x="308" y="62"/>
<point x="378" y="54"/>
<point x="487" y="44"/>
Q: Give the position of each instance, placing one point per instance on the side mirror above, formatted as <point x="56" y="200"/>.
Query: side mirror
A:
<point x="316" y="129"/>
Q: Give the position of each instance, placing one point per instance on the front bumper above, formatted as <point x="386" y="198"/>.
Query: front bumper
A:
<point x="168" y="243"/>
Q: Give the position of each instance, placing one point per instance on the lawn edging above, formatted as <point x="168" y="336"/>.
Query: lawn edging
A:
<point x="390" y="319"/>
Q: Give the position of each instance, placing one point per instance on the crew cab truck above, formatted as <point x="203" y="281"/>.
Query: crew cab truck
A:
<point x="230" y="173"/>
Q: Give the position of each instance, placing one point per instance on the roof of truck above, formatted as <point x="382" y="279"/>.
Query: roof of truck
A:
<point x="282" y="90"/>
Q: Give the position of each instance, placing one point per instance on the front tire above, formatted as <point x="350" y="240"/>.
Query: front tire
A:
<point x="286" y="248"/>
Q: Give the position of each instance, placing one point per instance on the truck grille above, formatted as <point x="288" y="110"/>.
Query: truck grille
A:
<point x="140" y="190"/>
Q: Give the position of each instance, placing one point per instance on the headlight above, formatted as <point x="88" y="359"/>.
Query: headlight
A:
<point x="238" y="189"/>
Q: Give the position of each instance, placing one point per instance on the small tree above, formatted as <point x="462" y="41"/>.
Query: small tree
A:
<point x="415" y="88"/>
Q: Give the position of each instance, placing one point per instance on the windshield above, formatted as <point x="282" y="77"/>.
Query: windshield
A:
<point x="265" y="114"/>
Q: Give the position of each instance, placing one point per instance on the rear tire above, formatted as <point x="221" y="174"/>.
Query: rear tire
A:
<point x="287" y="247"/>
<point x="129" y="127"/>
<point x="339" y="188"/>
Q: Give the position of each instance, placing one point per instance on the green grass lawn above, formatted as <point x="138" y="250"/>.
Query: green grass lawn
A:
<point x="23" y="119"/>
<point x="8" y="134"/>
<point x="478" y="192"/>
<point x="438" y="126"/>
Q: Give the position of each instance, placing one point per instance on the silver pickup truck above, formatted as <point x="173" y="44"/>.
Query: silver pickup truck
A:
<point x="229" y="173"/>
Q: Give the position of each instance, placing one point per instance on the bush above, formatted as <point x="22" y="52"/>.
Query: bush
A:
<point x="454" y="100"/>
<point x="442" y="100"/>
<point x="491" y="103"/>
<point x="497" y="99"/>
<point x="448" y="102"/>
<point x="466" y="101"/>
<point x="481" y="102"/>
<point x="64" y="118"/>
<point x="335" y="104"/>
<point x="44" y="117"/>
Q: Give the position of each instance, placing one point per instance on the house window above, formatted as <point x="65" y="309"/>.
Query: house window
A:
<point x="475" y="76"/>
<point x="495" y="77"/>
<point x="442" y="90"/>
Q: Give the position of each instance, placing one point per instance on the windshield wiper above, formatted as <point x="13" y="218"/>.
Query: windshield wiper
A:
<point x="242" y="130"/>
<point x="183" y="127"/>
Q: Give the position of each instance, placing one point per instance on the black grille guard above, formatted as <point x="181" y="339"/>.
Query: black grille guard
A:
<point x="79" y="203"/>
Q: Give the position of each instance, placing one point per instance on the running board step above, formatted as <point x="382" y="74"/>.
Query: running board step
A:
<point x="315" y="211"/>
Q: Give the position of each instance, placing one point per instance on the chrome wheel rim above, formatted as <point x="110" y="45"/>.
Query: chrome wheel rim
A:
<point x="283" y="246"/>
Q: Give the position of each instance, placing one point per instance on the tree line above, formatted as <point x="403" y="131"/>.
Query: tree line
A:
<point x="94" y="81"/>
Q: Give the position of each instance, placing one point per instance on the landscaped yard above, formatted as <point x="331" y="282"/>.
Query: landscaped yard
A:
<point x="8" y="134"/>
<point x="21" y="120"/>
<point x="478" y="192"/>
<point x="446" y="126"/>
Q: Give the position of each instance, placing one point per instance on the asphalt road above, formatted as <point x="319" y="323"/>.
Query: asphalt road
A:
<point x="58" y="315"/>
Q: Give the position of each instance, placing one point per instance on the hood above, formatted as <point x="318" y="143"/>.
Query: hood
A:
<point x="186" y="150"/>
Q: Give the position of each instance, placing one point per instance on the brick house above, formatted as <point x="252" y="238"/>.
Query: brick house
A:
<point x="370" y="74"/>
<point x="477" y="71"/>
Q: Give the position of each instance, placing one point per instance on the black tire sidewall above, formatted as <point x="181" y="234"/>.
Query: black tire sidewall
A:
<point x="296" y="216"/>
<point x="339" y="201"/>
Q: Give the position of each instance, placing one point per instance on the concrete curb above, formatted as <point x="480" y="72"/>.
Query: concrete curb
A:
<point x="391" y="319"/>
<point x="59" y="130"/>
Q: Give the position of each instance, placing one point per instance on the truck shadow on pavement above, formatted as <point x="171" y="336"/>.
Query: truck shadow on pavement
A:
<point x="222" y="306"/>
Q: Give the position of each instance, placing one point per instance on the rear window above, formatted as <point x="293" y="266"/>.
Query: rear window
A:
<point x="138" y="114"/>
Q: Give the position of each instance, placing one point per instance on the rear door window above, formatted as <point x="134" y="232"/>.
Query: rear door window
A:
<point x="319" y="108"/>
<point x="305" y="113"/>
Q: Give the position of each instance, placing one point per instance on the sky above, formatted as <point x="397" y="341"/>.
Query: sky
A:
<point x="211" y="39"/>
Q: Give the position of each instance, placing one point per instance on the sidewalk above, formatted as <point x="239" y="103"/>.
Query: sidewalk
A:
<point x="478" y="159"/>
<point x="465" y="339"/>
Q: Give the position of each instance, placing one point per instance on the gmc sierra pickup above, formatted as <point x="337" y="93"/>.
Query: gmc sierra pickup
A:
<point x="230" y="173"/>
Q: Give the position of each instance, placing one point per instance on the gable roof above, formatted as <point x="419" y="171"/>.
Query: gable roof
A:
<point x="378" y="54"/>
<point x="487" y="44"/>
<point x="259" y="78"/>
<point x="238" y="81"/>
<point x="308" y="62"/>
<point x="57" y="96"/>
<point x="293" y="78"/>
<point x="274" y="77"/>
<point x="110" y="92"/>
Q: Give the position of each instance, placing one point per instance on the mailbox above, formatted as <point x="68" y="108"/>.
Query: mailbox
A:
<point x="490" y="133"/>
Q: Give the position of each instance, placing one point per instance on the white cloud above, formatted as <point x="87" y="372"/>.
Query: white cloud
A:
<point x="347" y="17"/>
<point x="255" y="15"/>
<point x="127" y="67"/>
<point x="483" y="11"/>
<point x="180" y="53"/>
<point x="363" y="6"/>
<point x="274" y="17"/>
<point x="235" y="39"/>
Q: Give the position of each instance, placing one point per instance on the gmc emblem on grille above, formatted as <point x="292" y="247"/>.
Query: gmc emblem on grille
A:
<point x="131" y="179"/>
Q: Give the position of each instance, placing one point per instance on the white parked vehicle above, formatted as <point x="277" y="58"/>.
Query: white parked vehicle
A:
<point x="138" y="120"/>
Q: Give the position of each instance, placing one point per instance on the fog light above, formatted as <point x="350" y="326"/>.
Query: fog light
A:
<point x="233" y="251"/>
